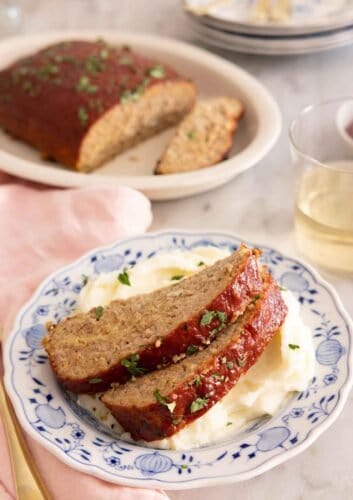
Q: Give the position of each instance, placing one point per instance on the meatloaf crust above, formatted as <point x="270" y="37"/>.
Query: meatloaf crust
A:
<point x="89" y="351"/>
<point x="161" y="403"/>
<point x="81" y="102"/>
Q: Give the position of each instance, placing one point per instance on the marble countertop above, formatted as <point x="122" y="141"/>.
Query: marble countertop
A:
<point x="257" y="205"/>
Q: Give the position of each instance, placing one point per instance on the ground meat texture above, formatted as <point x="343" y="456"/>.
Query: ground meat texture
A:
<point x="132" y="337"/>
<point x="161" y="403"/>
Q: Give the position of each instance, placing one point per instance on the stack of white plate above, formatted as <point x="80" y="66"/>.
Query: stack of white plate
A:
<point x="273" y="27"/>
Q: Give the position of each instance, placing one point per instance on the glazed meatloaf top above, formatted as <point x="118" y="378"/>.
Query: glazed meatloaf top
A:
<point x="64" y="88"/>
<point x="161" y="403"/>
<point x="90" y="350"/>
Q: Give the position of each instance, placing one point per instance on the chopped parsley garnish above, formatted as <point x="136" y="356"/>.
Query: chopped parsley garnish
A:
<point x="230" y="365"/>
<point x="94" y="64"/>
<point x="198" y="404"/>
<point x="177" y="277"/>
<point x="27" y="86"/>
<point x="201" y="263"/>
<point x="283" y="289"/>
<point x="157" y="71"/>
<point x="216" y="375"/>
<point x="99" y="312"/>
<point x="82" y="116"/>
<point x="131" y="363"/>
<point x="209" y="316"/>
<point x="197" y="380"/>
<point x="85" y="85"/>
<point x="84" y="280"/>
<point x="134" y="95"/>
<point x="191" y="134"/>
<point x="229" y="423"/>
<point x="164" y="401"/>
<point x="95" y="380"/>
<point x="130" y="95"/>
<point x="176" y="421"/>
<point x="48" y="70"/>
<point x="67" y="59"/>
<point x="191" y="349"/>
<point x="124" y="278"/>
<point x="126" y="60"/>
<point x="293" y="346"/>
<point x="96" y="104"/>
<point x="104" y="53"/>
<point x="241" y="362"/>
<point x="256" y="298"/>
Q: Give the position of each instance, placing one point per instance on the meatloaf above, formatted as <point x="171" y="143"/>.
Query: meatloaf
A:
<point x="89" y="351"/>
<point x="161" y="403"/>
<point x="204" y="137"/>
<point x="82" y="102"/>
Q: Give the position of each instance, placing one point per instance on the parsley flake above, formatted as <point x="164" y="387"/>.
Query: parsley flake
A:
<point x="135" y="94"/>
<point x="201" y="263"/>
<point x="126" y="61"/>
<point x="27" y="86"/>
<point x="283" y="289"/>
<point x="157" y="71"/>
<point x="191" y="349"/>
<point x="84" y="280"/>
<point x="99" y="312"/>
<point x="177" y="277"/>
<point x="293" y="346"/>
<point x="209" y="316"/>
<point x="48" y="70"/>
<point x="229" y="423"/>
<point x="197" y="380"/>
<point x="95" y="380"/>
<point x="164" y="401"/>
<point x="124" y="278"/>
<point x="82" y="116"/>
<point x="93" y="64"/>
<point x="176" y="421"/>
<point x="241" y="362"/>
<point x="84" y="85"/>
<point x="230" y="365"/>
<point x="104" y="53"/>
<point x="191" y="134"/>
<point x="256" y="298"/>
<point x="198" y="404"/>
<point x="131" y="363"/>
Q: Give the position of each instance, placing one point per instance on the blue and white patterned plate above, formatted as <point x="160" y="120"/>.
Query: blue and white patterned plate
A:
<point x="53" y="418"/>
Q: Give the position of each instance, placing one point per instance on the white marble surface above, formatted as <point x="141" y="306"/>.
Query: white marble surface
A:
<point x="257" y="205"/>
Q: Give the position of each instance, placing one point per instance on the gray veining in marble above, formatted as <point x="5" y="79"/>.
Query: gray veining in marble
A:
<point x="257" y="205"/>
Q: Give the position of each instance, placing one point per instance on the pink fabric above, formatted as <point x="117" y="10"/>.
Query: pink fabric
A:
<point x="41" y="230"/>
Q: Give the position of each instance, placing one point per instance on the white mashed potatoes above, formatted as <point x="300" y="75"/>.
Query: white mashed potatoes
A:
<point x="286" y="365"/>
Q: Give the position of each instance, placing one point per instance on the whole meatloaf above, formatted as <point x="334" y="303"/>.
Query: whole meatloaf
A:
<point x="89" y="351"/>
<point x="82" y="102"/>
<point x="161" y="403"/>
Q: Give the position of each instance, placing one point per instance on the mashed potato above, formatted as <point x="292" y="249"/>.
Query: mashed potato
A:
<point x="280" y="370"/>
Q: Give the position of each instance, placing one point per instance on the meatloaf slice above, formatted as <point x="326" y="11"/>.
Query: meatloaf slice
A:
<point x="163" y="402"/>
<point x="204" y="137"/>
<point x="129" y="337"/>
<point x="81" y="102"/>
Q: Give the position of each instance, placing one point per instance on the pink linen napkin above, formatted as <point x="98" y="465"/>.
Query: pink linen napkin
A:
<point x="41" y="230"/>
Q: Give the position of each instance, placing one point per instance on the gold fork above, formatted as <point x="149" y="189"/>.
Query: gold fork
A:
<point x="28" y="483"/>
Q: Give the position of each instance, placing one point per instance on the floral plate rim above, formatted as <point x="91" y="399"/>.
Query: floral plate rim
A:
<point x="145" y="475"/>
